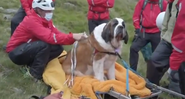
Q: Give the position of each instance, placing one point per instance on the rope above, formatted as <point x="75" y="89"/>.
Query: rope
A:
<point x="73" y="63"/>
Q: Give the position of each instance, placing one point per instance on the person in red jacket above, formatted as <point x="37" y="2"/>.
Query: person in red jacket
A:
<point x="177" y="58"/>
<point x="25" y="8"/>
<point x="36" y="41"/>
<point x="98" y="12"/>
<point x="145" y="28"/>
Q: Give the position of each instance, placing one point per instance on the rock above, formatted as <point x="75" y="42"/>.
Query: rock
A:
<point x="4" y="47"/>
<point x="17" y="90"/>
<point x="12" y="10"/>
<point x="8" y="29"/>
<point x="7" y="17"/>
<point x="69" y="5"/>
<point x="1" y="8"/>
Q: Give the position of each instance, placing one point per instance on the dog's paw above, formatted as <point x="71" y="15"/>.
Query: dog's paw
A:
<point x="78" y="73"/>
<point x="100" y="79"/>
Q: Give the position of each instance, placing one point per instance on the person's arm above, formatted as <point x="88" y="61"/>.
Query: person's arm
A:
<point x="136" y="15"/>
<point x="164" y="26"/>
<point x="177" y="57"/>
<point x="109" y="3"/>
<point x="25" y="6"/>
<point x="47" y="35"/>
<point x="54" y="29"/>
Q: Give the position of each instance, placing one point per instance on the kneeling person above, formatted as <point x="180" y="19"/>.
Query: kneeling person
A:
<point x="36" y="41"/>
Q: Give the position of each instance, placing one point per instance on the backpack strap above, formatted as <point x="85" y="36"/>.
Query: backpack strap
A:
<point x="144" y="5"/>
<point x="177" y="10"/>
<point x="161" y="5"/>
<point x="170" y="7"/>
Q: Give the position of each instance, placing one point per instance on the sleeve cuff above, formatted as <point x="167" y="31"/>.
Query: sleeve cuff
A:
<point x="71" y="36"/>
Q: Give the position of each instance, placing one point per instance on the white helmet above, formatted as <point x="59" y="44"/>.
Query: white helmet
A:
<point x="159" y="20"/>
<point x="43" y="4"/>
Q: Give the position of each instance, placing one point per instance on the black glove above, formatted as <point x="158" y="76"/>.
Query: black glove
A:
<point x="173" y="75"/>
<point x="36" y="97"/>
<point x="136" y="36"/>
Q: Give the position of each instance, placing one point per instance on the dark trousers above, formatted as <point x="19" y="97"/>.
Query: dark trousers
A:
<point x="17" y="18"/>
<point x="36" y="55"/>
<point x="93" y="23"/>
<point x="182" y="78"/>
<point x="159" y="63"/>
<point x="140" y="42"/>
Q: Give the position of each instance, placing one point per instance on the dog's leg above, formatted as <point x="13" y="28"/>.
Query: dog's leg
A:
<point x="76" y="72"/>
<point x="111" y="72"/>
<point x="98" y="69"/>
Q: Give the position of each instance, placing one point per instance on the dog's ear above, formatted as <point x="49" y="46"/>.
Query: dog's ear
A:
<point x="106" y="34"/>
<point x="125" y="38"/>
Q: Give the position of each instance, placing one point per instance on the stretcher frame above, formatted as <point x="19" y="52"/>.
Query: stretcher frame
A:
<point x="117" y="95"/>
<point x="121" y="96"/>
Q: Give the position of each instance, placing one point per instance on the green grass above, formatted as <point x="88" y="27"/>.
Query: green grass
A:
<point x="67" y="18"/>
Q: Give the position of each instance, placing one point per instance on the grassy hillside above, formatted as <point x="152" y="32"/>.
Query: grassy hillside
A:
<point x="70" y="15"/>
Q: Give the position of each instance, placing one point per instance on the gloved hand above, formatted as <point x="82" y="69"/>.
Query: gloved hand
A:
<point x="80" y="36"/>
<point x="173" y="75"/>
<point x="136" y="36"/>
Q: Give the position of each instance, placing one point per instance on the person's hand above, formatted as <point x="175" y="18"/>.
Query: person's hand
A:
<point x="79" y="36"/>
<point x="54" y="96"/>
<point x="173" y="75"/>
<point x="136" y="36"/>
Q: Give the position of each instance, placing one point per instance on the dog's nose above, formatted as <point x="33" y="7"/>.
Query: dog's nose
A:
<point x="120" y="27"/>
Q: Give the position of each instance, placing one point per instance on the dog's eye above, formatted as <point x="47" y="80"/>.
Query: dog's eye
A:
<point x="123" y="23"/>
<point x="115" y="24"/>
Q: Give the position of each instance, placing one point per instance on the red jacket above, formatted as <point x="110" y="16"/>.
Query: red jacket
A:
<point x="149" y="15"/>
<point x="34" y="28"/>
<point x="99" y="9"/>
<point x="27" y="5"/>
<point x="178" y="38"/>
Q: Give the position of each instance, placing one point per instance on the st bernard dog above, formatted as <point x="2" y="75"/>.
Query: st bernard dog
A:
<point x="98" y="53"/>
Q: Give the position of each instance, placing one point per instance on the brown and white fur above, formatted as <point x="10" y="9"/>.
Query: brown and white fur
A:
<point x="91" y="54"/>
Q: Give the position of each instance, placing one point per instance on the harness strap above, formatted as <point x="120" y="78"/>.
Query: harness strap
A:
<point x="110" y="53"/>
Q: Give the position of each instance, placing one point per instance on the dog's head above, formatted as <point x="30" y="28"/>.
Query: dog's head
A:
<point x="115" y="32"/>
